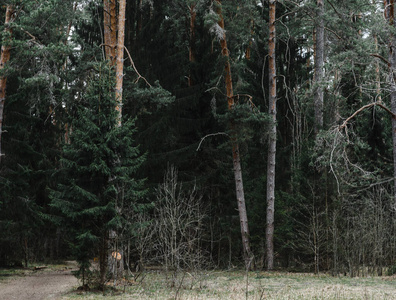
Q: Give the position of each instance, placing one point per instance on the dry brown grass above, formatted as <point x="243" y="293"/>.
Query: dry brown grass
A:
<point x="258" y="285"/>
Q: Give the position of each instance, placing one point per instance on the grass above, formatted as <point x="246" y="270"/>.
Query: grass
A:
<point x="260" y="285"/>
<point x="6" y="273"/>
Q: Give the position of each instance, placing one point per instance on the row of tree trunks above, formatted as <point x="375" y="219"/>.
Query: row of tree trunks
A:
<point x="4" y="58"/>
<point x="235" y="147"/>
<point x="272" y="137"/>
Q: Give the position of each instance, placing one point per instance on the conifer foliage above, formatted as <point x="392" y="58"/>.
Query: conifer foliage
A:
<point x="96" y="174"/>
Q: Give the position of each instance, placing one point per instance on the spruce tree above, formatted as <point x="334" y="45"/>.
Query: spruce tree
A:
<point x="97" y="173"/>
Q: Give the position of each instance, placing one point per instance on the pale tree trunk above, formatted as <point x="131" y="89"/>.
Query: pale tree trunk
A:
<point x="377" y="73"/>
<point x="235" y="149"/>
<point x="319" y="63"/>
<point x="120" y="58"/>
<point x="4" y="58"/>
<point x="272" y="138"/>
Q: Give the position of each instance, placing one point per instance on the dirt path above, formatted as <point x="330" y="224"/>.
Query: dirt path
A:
<point x="44" y="284"/>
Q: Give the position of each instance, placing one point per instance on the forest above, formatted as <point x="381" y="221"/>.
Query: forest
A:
<point x="198" y="134"/>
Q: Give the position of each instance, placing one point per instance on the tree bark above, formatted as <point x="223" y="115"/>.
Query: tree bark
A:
<point x="110" y="30"/>
<point x="272" y="138"/>
<point x="319" y="63"/>
<point x="120" y="58"/>
<point x="235" y="148"/>
<point x="4" y="58"/>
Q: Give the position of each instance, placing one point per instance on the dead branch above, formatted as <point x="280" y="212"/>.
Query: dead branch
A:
<point x="363" y="108"/>
<point x="212" y="134"/>
<point x="133" y="66"/>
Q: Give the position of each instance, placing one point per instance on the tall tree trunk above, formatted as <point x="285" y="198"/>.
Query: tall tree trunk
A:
<point x="110" y="30"/>
<point x="193" y="15"/>
<point x="389" y="13"/>
<point x="235" y="148"/>
<point x="377" y="73"/>
<point x="319" y="63"/>
<point x="120" y="58"/>
<point x="272" y="138"/>
<point x="4" y="58"/>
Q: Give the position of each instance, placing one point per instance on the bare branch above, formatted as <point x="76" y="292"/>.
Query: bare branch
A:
<point x="212" y="134"/>
<point x="363" y="108"/>
<point x="133" y="66"/>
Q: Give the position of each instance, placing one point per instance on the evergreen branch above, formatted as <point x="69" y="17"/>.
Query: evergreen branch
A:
<point x="335" y="10"/>
<point x="33" y="38"/>
<point x="335" y="33"/>
<point x="211" y="134"/>
<point x="381" y="58"/>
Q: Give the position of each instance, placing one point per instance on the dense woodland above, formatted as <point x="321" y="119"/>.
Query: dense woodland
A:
<point x="198" y="134"/>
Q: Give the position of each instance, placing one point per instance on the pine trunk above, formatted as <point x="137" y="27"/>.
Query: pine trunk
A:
<point x="272" y="139"/>
<point x="120" y="58"/>
<point x="4" y="58"/>
<point x="235" y="150"/>
<point x="319" y="63"/>
<point x="110" y="30"/>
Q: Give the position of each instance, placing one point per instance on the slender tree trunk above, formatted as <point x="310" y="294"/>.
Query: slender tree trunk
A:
<point x="272" y="138"/>
<point x="4" y="58"/>
<point x="319" y="63"/>
<point x="377" y="73"/>
<point x="120" y="58"/>
<point x="193" y="15"/>
<point x="389" y="13"/>
<point x="235" y="149"/>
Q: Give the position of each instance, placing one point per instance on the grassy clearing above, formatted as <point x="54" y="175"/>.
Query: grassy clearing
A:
<point x="259" y="285"/>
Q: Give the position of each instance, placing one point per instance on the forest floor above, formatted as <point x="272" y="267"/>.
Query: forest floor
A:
<point x="57" y="282"/>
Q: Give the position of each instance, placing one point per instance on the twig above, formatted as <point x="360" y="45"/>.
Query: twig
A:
<point x="212" y="134"/>
<point x="133" y="66"/>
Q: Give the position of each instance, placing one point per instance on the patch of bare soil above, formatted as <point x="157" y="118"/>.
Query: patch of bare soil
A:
<point x="38" y="285"/>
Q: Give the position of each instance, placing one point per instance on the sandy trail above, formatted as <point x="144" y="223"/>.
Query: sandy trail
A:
<point x="38" y="285"/>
